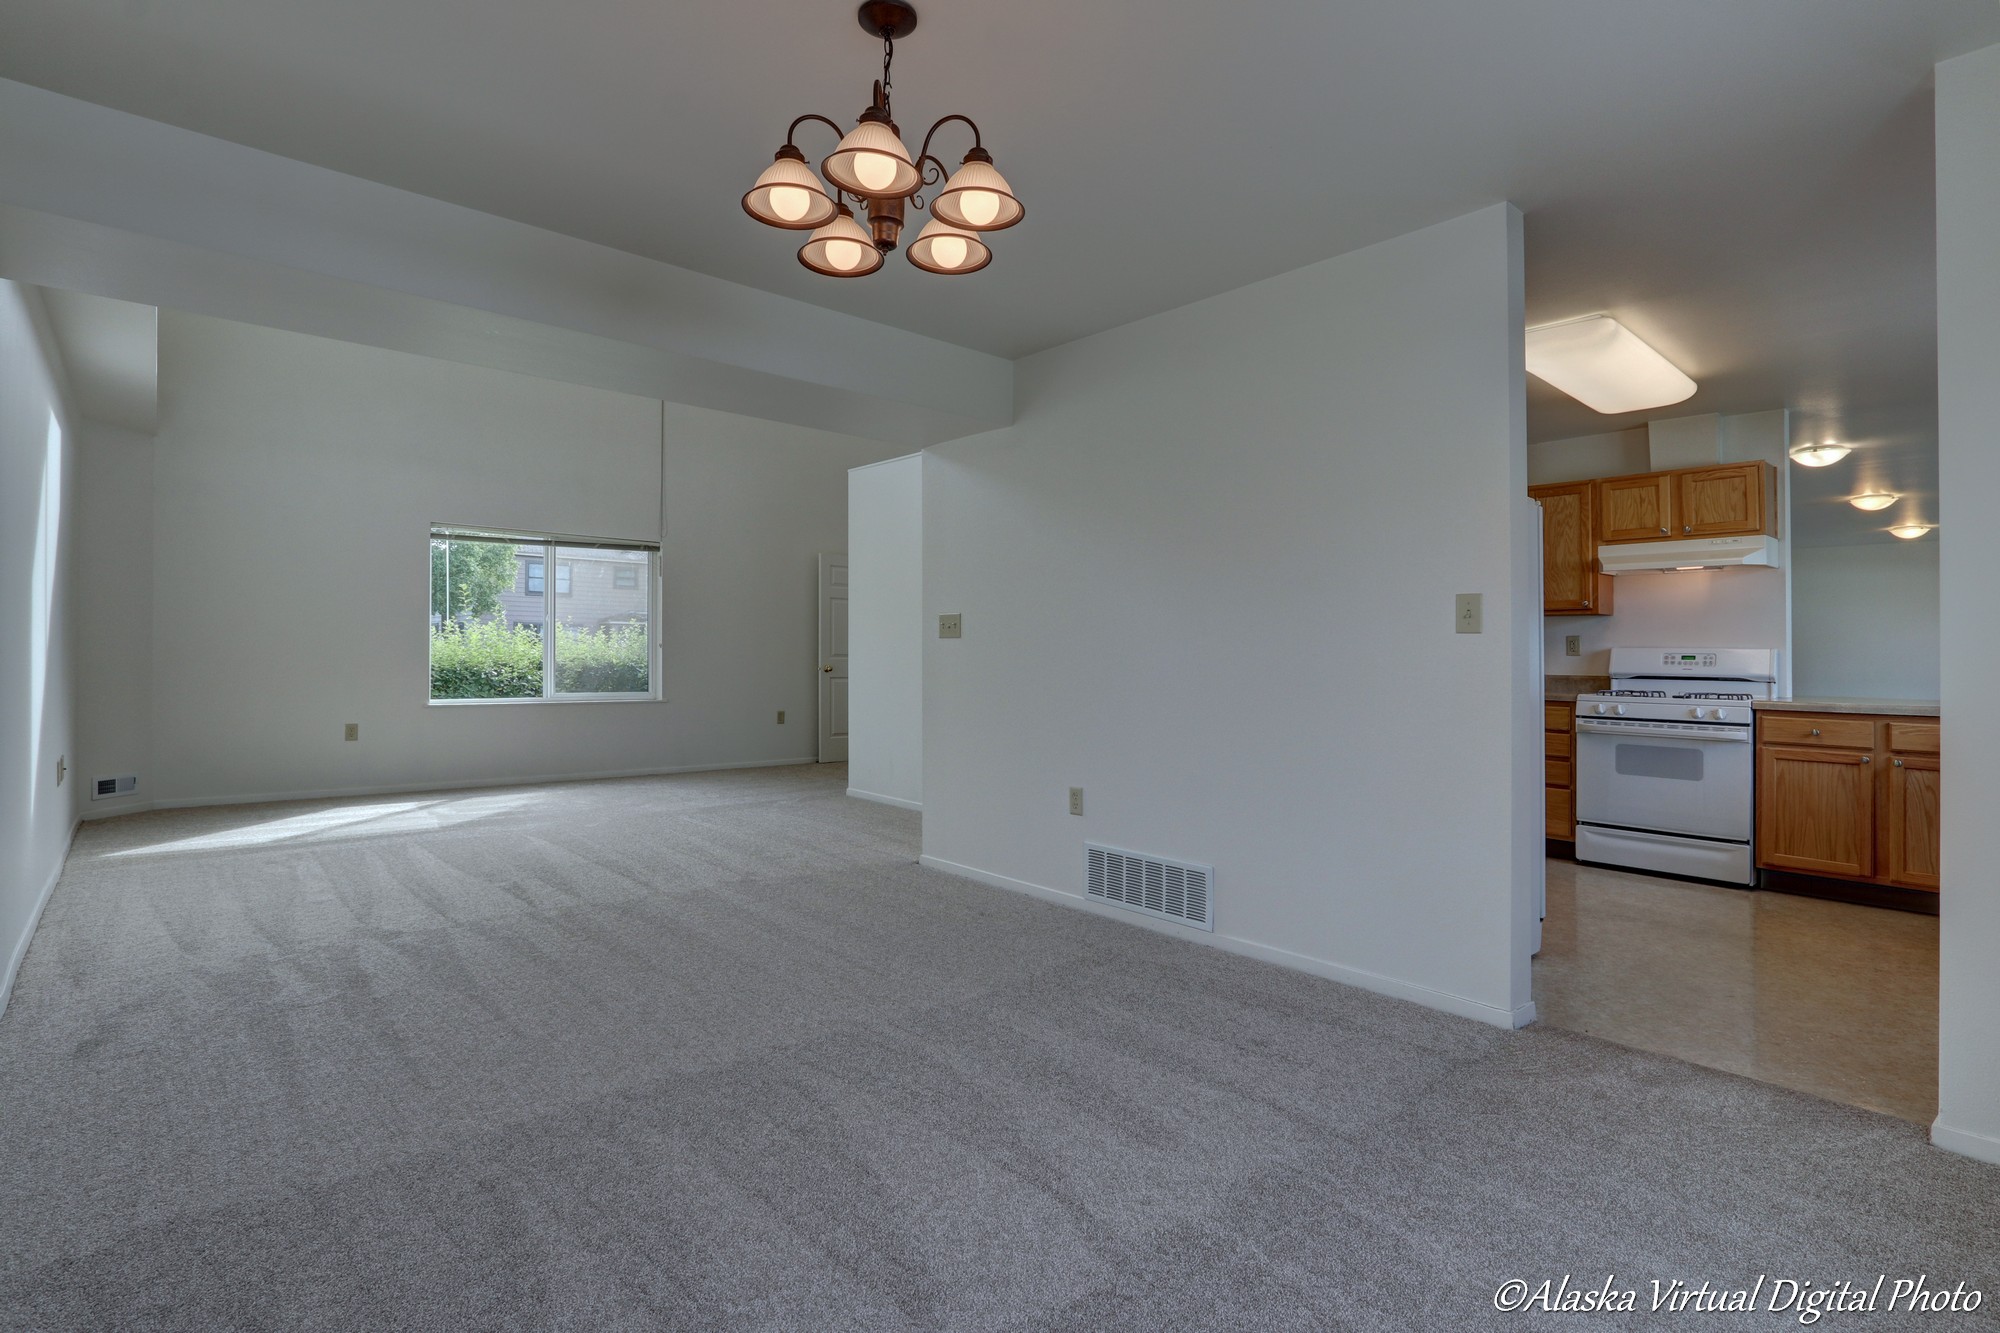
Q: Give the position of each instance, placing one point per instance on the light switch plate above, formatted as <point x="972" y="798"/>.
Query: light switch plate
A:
<point x="949" y="626"/>
<point x="353" y="731"/>
<point x="1076" y="800"/>
<point x="1467" y="617"/>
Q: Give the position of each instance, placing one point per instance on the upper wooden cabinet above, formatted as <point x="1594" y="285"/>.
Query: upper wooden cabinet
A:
<point x="1731" y="500"/>
<point x="1571" y="585"/>
<point x="1636" y="509"/>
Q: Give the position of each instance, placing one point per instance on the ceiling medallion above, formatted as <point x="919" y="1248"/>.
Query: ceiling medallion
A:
<point x="871" y="167"/>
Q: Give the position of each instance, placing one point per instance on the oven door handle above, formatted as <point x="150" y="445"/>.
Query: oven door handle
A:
<point x="1728" y="736"/>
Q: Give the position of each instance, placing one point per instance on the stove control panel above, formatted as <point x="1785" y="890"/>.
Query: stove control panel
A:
<point x="1688" y="661"/>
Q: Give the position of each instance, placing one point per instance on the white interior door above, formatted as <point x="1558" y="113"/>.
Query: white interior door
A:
<point x="833" y="657"/>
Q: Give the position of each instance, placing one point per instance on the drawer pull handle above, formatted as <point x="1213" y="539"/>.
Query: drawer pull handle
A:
<point x="1867" y="758"/>
<point x="1898" y="763"/>
<point x="1815" y="731"/>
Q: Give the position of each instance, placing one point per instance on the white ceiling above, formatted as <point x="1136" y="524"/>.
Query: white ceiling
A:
<point x="1747" y="186"/>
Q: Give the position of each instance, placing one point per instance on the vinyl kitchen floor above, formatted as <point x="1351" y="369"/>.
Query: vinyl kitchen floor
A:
<point x="1827" y="998"/>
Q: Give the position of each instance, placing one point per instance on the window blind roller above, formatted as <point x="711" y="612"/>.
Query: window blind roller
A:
<point x="441" y="532"/>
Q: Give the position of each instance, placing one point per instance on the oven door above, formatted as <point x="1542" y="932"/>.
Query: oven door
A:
<point x="1692" y="780"/>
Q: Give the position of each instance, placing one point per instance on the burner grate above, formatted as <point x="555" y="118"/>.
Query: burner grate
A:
<point x="1726" y="698"/>
<point x="1637" y="694"/>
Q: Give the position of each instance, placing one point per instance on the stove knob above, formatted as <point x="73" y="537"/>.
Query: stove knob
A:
<point x="1694" y="712"/>
<point x="1720" y="714"/>
<point x="1618" y="709"/>
<point x="1600" y="708"/>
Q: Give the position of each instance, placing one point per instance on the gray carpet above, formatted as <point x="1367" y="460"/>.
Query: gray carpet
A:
<point x="712" y="1052"/>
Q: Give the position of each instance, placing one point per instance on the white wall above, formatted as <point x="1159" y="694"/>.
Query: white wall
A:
<point x="1865" y="620"/>
<point x="295" y="480"/>
<point x="1968" y="175"/>
<point x="1716" y="608"/>
<point x="37" y="520"/>
<point x="1208" y="576"/>
<point x="114" y="631"/>
<point x="886" y="631"/>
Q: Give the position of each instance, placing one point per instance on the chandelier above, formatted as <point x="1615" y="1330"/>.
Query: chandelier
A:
<point x="871" y="167"/>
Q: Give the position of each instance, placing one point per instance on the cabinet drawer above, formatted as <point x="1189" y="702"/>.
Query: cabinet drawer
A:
<point x="1556" y="772"/>
<point x="1556" y="745"/>
<point x="1913" y="737"/>
<point x="1557" y="717"/>
<point x="1561" y="821"/>
<point x="1847" y="733"/>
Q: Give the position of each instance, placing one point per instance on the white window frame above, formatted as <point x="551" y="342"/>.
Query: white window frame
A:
<point x="550" y="542"/>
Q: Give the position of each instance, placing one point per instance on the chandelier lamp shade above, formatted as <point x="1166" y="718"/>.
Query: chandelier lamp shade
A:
<point x="943" y="248"/>
<point x="872" y="169"/>
<point x="841" y="249"/>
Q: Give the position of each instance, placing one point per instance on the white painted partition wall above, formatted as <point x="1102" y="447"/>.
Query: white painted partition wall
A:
<point x="885" y="561"/>
<point x="37" y="548"/>
<point x="1968" y="176"/>
<point x="1208" y="576"/>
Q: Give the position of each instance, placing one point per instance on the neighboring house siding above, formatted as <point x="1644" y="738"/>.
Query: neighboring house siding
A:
<point x="594" y="597"/>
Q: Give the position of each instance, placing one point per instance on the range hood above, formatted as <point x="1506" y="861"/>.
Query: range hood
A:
<point x="1688" y="553"/>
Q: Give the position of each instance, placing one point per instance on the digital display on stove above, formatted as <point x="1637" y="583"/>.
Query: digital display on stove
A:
<point x="1685" y="660"/>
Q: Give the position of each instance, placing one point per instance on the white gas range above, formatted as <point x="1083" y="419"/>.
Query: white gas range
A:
<point x="1665" y="761"/>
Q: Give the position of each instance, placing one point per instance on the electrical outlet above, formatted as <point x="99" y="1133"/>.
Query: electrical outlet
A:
<point x="781" y="717"/>
<point x="353" y="731"/>
<point x="62" y="769"/>
<point x="949" y="627"/>
<point x="1466" y="616"/>
<point x="1573" y="645"/>
<point x="1076" y="800"/>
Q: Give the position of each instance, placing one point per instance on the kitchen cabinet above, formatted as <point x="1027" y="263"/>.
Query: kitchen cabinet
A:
<point x="1558" y="749"/>
<point x="1635" y="509"/>
<point x="1730" y="500"/>
<point x="1571" y="585"/>
<point x="1910" y="856"/>
<point x="1850" y="797"/>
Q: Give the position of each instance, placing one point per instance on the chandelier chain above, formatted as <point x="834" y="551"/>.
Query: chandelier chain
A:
<point x="888" y="58"/>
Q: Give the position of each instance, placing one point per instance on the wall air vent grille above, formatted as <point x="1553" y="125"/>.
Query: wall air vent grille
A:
<point x="118" y="786"/>
<point x="1176" y="890"/>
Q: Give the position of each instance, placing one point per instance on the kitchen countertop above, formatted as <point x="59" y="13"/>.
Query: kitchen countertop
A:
<point x="1887" y="707"/>
<point x="1564" y="689"/>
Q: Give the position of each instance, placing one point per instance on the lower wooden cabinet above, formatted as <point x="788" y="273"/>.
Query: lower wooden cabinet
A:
<point x="1558" y="753"/>
<point x="1910" y="857"/>
<point x="1848" y="796"/>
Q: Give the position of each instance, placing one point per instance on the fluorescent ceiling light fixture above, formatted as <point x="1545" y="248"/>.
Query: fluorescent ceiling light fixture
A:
<point x="1603" y="365"/>
<point x="1911" y="531"/>
<point x="1873" y="500"/>
<point x="1819" y="455"/>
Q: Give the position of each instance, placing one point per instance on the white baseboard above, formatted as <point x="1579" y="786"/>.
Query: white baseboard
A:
<point x="1984" y="1147"/>
<point x="880" y="799"/>
<point x="19" y="953"/>
<point x="1298" y="962"/>
<point x="454" y="784"/>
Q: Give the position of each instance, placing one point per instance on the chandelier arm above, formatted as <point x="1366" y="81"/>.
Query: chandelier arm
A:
<point x="925" y="151"/>
<point x="793" y="131"/>
<point x="932" y="171"/>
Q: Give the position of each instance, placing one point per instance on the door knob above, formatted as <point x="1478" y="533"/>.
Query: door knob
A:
<point x="1663" y="532"/>
<point x="1867" y="758"/>
<point x="1687" y="527"/>
<point x="828" y="668"/>
<point x="1815" y="731"/>
<point x="1897" y="762"/>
